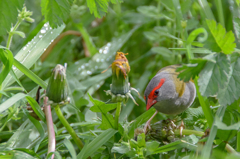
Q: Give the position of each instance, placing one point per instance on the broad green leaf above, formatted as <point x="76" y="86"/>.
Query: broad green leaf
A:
<point x="31" y="52"/>
<point x="190" y="71"/>
<point x="55" y="11"/>
<point x="104" y="107"/>
<point x="214" y="76"/>
<point x="151" y="147"/>
<point x="8" y="14"/>
<point x="95" y="144"/>
<point x="107" y="119"/>
<point x="231" y="91"/>
<point x="7" y="59"/>
<point x="224" y="40"/>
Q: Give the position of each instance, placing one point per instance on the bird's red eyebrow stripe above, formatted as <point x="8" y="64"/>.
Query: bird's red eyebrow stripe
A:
<point x="157" y="87"/>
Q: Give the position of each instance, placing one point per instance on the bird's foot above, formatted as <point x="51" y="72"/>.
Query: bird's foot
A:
<point x="147" y="127"/>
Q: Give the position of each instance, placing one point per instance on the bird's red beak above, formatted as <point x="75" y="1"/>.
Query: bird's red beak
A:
<point x="150" y="102"/>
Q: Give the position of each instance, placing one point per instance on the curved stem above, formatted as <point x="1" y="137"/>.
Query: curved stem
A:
<point x="70" y="130"/>
<point x="51" y="133"/>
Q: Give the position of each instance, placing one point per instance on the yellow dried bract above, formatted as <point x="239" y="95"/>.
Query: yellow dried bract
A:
<point x="121" y="64"/>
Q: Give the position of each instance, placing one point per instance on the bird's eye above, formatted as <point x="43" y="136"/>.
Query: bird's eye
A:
<point x="156" y="92"/>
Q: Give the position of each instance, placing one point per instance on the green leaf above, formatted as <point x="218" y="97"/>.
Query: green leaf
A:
<point x="190" y="71"/>
<point x="140" y="120"/>
<point x="175" y="145"/>
<point x="107" y="119"/>
<point x="70" y="148"/>
<point x="141" y="140"/>
<point x="150" y="11"/>
<point x="36" y="108"/>
<point x="8" y="14"/>
<point x="7" y="59"/>
<point x="31" y="52"/>
<point x="107" y="122"/>
<point x="98" y="7"/>
<point x="104" y="107"/>
<point x="30" y="74"/>
<point x="15" y="154"/>
<point x="225" y="41"/>
<point x="95" y="144"/>
<point x="38" y="126"/>
<point x="214" y="76"/>
<point x="10" y="101"/>
<point x="55" y="11"/>
<point x="167" y="54"/>
<point x="231" y="92"/>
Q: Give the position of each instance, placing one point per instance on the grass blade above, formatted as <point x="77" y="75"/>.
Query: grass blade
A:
<point x="30" y="74"/>
<point x="10" y="101"/>
<point x="207" y="149"/>
<point x="206" y="9"/>
<point x="70" y="148"/>
<point x="95" y="144"/>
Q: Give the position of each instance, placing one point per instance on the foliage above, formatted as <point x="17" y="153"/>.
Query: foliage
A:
<point x="203" y="36"/>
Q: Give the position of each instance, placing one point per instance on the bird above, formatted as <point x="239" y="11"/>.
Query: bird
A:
<point x="168" y="94"/>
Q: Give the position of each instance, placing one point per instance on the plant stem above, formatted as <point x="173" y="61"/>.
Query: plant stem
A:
<point x="118" y="110"/>
<point x="51" y="133"/>
<point x="188" y="132"/>
<point x="220" y="12"/>
<point x="11" y="34"/>
<point x="76" y="139"/>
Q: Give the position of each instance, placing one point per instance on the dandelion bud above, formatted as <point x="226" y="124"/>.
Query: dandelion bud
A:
<point x="57" y="90"/>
